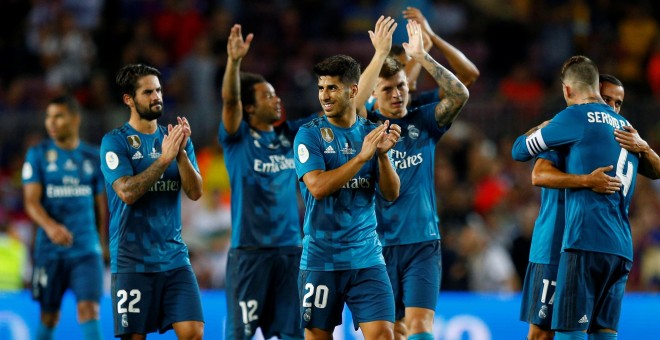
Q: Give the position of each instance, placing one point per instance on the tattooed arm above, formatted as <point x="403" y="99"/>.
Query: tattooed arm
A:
<point x="455" y="92"/>
<point x="131" y="188"/>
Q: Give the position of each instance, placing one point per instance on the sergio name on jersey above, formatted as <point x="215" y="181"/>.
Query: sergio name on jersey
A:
<point x="146" y="235"/>
<point x="594" y="222"/>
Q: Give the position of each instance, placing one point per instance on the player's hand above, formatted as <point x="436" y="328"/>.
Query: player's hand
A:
<point x="602" y="183"/>
<point x="237" y="48"/>
<point x="389" y="138"/>
<point x="172" y="142"/>
<point x="187" y="132"/>
<point x="381" y="36"/>
<point x="630" y="140"/>
<point x="59" y="235"/>
<point x="414" y="14"/>
<point x="370" y="143"/>
<point x="415" y="45"/>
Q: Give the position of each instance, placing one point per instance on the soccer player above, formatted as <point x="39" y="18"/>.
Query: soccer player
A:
<point x="64" y="194"/>
<point x="342" y="260"/>
<point x="146" y="166"/>
<point x="540" y="279"/>
<point x="596" y="249"/>
<point x="262" y="266"/>
<point x="463" y="67"/>
<point x="408" y="226"/>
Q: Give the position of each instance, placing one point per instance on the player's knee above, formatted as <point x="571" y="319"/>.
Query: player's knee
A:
<point x="400" y="330"/>
<point x="191" y="331"/>
<point x="419" y="320"/>
<point x="87" y="310"/>
<point x="536" y="333"/>
<point x="421" y="324"/>
<point x="50" y="320"/>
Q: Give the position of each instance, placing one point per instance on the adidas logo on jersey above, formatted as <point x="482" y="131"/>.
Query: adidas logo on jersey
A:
<point x="583" y="319"/>
<point x="329" y="149"/>
<point x="137" y="155"/>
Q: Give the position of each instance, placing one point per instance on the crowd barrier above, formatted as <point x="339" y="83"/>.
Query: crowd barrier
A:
<point x="460" y="316"/>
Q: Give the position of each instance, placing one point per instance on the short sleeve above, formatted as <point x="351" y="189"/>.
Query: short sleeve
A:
<point x="115" y="162"/>
<point x="308" y="155"/>
<point x="31" y="172"/>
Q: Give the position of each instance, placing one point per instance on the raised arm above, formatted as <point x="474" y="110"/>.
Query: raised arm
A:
<point x="232" y="108"/>
<point x="191" y="180"/>
<point x="465" y="69"/>
<point x="455" y="93"/>
<point x="649" y="162"/>
<point x="131" y="188"/>
<point x="388" y="180"/>
<point x="546" y="175"/>
<point x="381" y="38"/>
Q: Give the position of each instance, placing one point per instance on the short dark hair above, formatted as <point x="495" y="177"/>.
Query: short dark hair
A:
<point x="580" y="68"/>
<point x="70" y="102"/>
<point x="608" y="78"/>
<point x="396" y="50"/>
<point x="391" y="66"/>
<point x="128" y="76"/>
<point x="342" y="66"/>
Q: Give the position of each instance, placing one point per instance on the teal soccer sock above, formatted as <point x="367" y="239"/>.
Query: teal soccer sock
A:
<point x="603" y="336"/>
<point x="567" y="335"/>
<point x="91" y="330"/>
<point x="44" y="333"/>
<point x="421" y="336"/>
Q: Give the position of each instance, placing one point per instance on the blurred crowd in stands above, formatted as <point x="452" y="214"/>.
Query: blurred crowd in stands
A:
<point x="486" y="201"/>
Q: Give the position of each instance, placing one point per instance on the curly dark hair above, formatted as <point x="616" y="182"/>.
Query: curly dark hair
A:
<point x="342" y="66"/>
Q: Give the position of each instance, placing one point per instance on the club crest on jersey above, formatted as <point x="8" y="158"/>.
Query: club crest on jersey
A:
<point x="413" y="132"/>
<point x="88" y="168"/>
<point x="285" y="141"/>
<point x="327" y="134"/>
<point x="134" y="141"/>
<point x="51" y="156"/>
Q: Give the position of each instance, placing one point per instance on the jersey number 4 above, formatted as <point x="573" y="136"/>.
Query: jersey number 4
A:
<point x="626" y="178"/>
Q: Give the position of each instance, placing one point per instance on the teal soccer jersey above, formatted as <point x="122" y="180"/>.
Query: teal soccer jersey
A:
<point x="412" y="217"/>
<point x="340" y="229"/>
<point x="594" y="222"/>
<point x="70" y="180"/>
<point x="549" y="225"/>
<point x="263" y="182"/>
<point x="144" y="236"/>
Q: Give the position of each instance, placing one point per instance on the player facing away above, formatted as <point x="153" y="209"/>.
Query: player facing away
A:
<point x="262" y="266"/>
<point x="540" y="279"/>
<point x="596" y="253"/>
<point x="340" y="159"/>
<point x="146" y="166"/>
<point x="408" y="226"/>
<point x="64" y="194"/>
